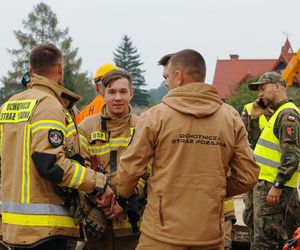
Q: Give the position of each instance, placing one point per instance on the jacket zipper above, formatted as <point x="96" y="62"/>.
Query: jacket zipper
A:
<point x="160" y="211"/>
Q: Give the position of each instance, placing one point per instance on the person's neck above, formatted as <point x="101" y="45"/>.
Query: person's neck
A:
<point x="280" y="99"/>
<point x="116" y="116"/>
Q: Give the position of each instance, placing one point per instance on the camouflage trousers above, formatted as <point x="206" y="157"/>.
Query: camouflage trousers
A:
<point x="270" y="221"/>
<point x="292" y="218"/>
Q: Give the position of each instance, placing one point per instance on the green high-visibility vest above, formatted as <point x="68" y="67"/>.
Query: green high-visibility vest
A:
<point x="267" y="151"/>
<point x="262" y="119"/>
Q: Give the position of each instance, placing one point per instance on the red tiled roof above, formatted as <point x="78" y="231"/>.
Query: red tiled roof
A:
<point x="230" y="73"/>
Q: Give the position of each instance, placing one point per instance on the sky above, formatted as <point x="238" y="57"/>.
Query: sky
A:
<point x="253" y="29"/>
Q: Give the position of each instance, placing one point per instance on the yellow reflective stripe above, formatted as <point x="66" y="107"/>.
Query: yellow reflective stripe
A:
<point x="38" y="220"/>
<point x="78" y="176"/>
<point x="48" y="124"/>
<point x="25" y="190"/>
<point x="81" y="177"/>
<point x="142" y="183"/>
<point x="124" y="139"/>
<point x="83" y="141"/>
<point x="99" y="150"/>
<point x="71" y="184"/>
<point x="71" y="129"/>
<point x="132" y="130"/>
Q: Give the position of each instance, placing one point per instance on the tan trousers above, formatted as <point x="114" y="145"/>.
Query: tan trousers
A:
<point x="147" y="243"/>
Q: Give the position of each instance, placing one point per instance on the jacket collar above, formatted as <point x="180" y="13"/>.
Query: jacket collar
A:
<point x="66" y="97"/>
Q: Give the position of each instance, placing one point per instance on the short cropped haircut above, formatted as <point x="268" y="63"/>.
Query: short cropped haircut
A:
<point x="191" y="62"/>
<point x="114" y="75"/>
<point x="165" y="59"/>
<point x="43" y="58"/>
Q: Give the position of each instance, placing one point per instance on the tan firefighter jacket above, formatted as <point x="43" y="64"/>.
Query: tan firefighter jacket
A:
<point x="103" y="139"/>
<point x="37" y="136"/>
<point x="194" y="139"/>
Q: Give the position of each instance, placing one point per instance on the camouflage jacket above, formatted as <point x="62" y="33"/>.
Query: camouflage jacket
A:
<point x="288" y="120"/>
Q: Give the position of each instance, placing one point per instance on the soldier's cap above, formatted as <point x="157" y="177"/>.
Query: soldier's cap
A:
<point x="268" y="77"/>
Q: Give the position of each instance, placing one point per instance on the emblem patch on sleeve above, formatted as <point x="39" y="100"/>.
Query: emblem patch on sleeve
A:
<point x="55" y="137"/>
<point x="290" y="131"/>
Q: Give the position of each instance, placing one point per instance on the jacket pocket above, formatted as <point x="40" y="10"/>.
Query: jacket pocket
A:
<point x="161" y="217"/>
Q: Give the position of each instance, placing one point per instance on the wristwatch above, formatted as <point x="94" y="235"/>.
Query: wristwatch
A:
<point x="277" y="184"/>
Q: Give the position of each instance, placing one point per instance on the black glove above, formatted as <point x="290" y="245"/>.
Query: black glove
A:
<point x="133" y="209"/>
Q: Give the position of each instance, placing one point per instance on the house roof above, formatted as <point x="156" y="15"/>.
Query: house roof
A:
<point x="230" y="73"/>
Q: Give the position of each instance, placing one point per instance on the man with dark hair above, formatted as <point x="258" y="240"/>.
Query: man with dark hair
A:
<point x="103" y="139"/>
<point x="200" y="154"/>
<point x="229" y="213"/>
<point x="40" y="164"/>
<point x="164" y="62"/>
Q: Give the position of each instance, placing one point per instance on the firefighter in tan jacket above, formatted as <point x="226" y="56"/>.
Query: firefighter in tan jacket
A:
<point x="37" y="138"/>
<point x="195" y="140"/>
<point x="103" y="138"/>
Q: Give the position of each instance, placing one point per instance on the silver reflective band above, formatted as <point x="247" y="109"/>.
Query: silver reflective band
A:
<point x="265" y="161"/>
<point x="269" y="163"/>
<point x="23" y="208"/>
<point x="268" y="144"/>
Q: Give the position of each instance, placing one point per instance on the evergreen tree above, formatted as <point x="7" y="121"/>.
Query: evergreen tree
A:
<point x="127" y="57"/>
<point x="156" y="95"/>
<point x="41" y="26"/>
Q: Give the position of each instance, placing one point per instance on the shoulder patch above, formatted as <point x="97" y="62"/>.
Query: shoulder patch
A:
<point x="55" y="137"/>
<point x="291" y="118"/>
<point x="290" y="131"/>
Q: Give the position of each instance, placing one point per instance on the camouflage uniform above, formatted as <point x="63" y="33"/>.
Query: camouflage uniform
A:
<point x="254" y="131"/>
<point x="268" y="231"/>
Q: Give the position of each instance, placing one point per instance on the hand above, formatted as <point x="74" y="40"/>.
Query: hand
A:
<point x="273" y="197"/>
<point x="107" y="199"/>
<point x="116" y="213"/>
<point x="257" y="110"/>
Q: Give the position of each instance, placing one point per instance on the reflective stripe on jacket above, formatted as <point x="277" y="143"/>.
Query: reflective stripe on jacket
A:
<point x="97" y="144"/>
<point x="268" y="151"/>
<point x="36" y="121"/>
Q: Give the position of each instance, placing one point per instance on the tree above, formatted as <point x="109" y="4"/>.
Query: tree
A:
<point x="294" y="94"/>
<point x="41" y="26"/>
<point x="156" y="95"/>
<point x="127" y="57"/>
<point x="242" y="95"/>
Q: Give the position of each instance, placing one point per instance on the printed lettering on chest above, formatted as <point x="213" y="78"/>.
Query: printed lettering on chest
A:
<point x="17" y="111"/>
